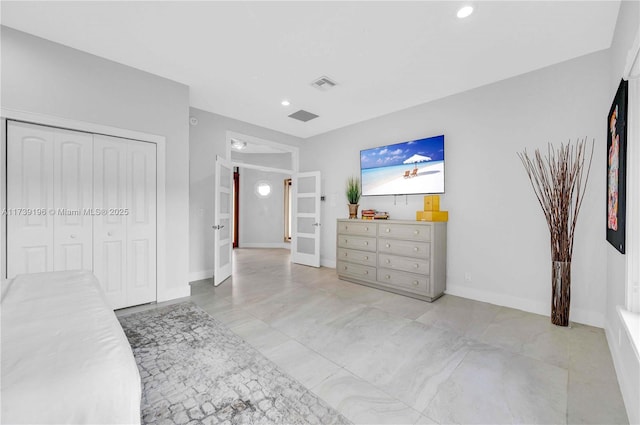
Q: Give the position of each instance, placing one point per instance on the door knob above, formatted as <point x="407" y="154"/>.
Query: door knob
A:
<point x="109" y="234"/>
<point x="72" y="236"/>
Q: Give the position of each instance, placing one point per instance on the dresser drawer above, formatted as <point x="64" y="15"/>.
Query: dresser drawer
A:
<point x="404" y="280"/>
<point x="356" y="270"/>
<point x="357" y="242"/>
<point x="412" y="265"/>
<point x="357" y="228"/>
<point x="405" y="248"/>
<point x="361" y="257"/>
<point x="414" y="232"/>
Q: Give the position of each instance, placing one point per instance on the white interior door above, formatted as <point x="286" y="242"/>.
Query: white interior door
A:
<point x="305" y="238"/>
<point x="223" y="241"/>
<point x="109" y="230"/>
<point x="141" y="222"/>
<point x="72" y="199"/>
<point x="29" y="199"/>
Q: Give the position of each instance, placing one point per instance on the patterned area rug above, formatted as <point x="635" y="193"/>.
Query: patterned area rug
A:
<point x="195" y="370"/>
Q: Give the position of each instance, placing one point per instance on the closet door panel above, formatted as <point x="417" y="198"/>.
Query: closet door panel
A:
<point x="109" y="227"/>
<point x="73" y="191"/>
<point x="141" y="222"/>
<point x="29" y="198"/>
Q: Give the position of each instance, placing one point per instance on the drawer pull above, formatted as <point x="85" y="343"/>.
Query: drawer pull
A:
<point x="366" y="257"/>
<point x="388" y="261"/>
<point x="388" y="245"/>
<point x="415" y="232"/>
<point x="366" y="243"/>
<point x="345" y="267"/>
<point x="416" y="249"/>
<point x="366" y="272"/>
<point x="366" y="229"/>
<point x="387" y="230"/>
<point x="346" y="254"/>
<point x="415" y="282"/>
<point x="417" y="266"/>
<point x="387" y="277"/>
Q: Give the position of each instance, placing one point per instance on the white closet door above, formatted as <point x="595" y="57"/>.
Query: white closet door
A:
<point x="29" y="199"/>
<point x="109" y="230"/>
<point x="141" y="222"/>
<point x="72" y="200"/>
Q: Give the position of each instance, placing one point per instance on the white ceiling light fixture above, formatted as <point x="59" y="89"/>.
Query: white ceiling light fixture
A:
<point x="464" y="11"/>
<point x="263" y="189"/>
<point x="238" y="144"/>
<point x="285" y="102"/>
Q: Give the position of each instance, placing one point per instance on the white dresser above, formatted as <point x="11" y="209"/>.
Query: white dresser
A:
<point x="401" y="256"/>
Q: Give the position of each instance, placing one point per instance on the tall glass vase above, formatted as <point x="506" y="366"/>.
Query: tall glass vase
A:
<point x="560" y="292"/>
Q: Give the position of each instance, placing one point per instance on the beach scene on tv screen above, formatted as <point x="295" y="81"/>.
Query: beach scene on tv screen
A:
<point x="410" y="167"/>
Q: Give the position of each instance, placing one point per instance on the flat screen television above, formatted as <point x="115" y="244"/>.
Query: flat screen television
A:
<point x="407" y="168"/>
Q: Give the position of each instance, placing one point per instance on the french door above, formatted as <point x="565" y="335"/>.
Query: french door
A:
<point x="305" y="238"/>
<point x="223" y="241"/>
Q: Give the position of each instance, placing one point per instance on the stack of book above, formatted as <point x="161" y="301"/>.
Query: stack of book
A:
<point x="374" y="215"/>
<point x="368" y="214"/>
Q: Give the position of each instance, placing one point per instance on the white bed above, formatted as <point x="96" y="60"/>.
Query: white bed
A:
<point x="65" y="358"/>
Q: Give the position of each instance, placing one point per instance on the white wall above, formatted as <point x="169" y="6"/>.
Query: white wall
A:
<point x="496" y="230"/>
<point x="625" y="357"/>
<point x="272" y="160"/>
<point x="206" y="140"/>
<point x="261" y="219"/>
<point x="43" y="77"/>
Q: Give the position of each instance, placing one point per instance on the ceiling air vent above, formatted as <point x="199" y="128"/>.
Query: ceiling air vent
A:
<point x="324" y="83"/>
<point x="303" y="116"/>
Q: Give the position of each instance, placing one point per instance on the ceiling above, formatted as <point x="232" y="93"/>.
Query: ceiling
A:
<point x="242" y="59"/>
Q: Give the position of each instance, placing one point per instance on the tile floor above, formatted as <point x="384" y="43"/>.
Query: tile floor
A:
<point x="381" y="358"/>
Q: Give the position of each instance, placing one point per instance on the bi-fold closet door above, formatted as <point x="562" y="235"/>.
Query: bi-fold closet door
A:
<point x="82" y="201"/>
<point x="49" y="179"/>
<point x="124" y="182"/>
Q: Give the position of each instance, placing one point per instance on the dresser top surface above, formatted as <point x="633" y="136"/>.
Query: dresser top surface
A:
<point x="388" y="221"/>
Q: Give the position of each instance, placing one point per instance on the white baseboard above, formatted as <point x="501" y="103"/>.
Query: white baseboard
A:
<point x="202" y="274"/>
<point x="174" y="293"/>
<point x="284" y="245"/>
<point x="328" y="262"/>
<point x="627" y="365"/>
<point x="577" y="315"/>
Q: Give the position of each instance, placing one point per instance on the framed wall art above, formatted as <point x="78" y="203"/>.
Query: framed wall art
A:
<point x="616" y="168"/>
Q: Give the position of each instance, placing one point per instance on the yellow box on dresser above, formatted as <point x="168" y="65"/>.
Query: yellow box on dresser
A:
<point x="432" y="215"/>
<point x="432" y="203"/>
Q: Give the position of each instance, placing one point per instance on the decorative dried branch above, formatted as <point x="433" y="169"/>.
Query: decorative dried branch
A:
<point x="559" y="180"/>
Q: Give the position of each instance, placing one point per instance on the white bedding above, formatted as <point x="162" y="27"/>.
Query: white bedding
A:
<point x="65" y="358"/>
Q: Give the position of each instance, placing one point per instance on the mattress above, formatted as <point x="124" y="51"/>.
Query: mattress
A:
<point x="65" y="358"/>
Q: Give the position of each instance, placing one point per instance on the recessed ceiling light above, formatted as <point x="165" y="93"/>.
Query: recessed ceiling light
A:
<point x="285" y="103"/>
<point x="465" y="11"/>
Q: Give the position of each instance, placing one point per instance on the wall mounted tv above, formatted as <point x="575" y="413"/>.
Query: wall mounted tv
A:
<point x="408" y="168"/>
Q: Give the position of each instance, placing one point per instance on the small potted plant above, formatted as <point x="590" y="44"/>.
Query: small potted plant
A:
<point x="353" y="195"/>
